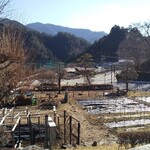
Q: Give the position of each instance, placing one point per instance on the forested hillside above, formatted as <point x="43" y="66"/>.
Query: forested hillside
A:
<point x="41" y="47"/>
<point x="105" y="49"/>
<point x="119" y="43"/>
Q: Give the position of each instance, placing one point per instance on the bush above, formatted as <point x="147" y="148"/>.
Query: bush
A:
<point x="133" y="138"/>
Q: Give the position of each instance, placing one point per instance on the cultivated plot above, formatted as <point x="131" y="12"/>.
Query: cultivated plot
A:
<point x="122" y="110"/>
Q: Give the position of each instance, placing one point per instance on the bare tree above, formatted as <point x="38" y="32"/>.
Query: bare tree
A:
<point x="87" y="63"/>
<point x="133" y="48"/>
<point x="12" y="59"/>
<point x="60" y="73"/>
<point x="44" y="76"/>
<point x="3" y="7"/>
<point x="136" y="46"/>
<point x="128" y="74"/>
<point x="144" y="28"/>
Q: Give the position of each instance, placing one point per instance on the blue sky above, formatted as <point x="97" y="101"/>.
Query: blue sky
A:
<point x="96" y="15"/>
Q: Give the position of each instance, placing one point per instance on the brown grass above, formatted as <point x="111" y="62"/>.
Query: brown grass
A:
<point x="99" y="147"/>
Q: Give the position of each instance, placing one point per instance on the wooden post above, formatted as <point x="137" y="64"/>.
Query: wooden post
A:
<point x="78" y="142"/>
<point x="70" y="127"/>
<point x="13" y="130"/>
<point x="46" y="131"/>
<point x="111" y="74"/>
<point x="13" y="139"/>
<point x="64" y="127"/>
<point x="33" y="136"/>
<point x="19" y="129"/>
<point x="29" y="119"/>
<point x="58" y="124"/>
<point x="39" y="120"/>
<point x="12" y="115"/>
<point x="54" y="116"/>
<point x="3" y="112"/>
<point x="30" y="127"/>
<point x="49" y="135"/>
<point x="39" y="126"/>
<point x="26" y="110"/>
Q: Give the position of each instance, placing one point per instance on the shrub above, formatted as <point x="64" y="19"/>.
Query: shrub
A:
<point x="133" y="138"/>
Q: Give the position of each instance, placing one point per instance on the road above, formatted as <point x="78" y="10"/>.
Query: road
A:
<point x="108" y="78"/>
<point x="102" y="78"/>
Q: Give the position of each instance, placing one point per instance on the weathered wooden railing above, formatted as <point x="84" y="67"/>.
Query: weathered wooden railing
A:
<point x="71" y="123"/>
<point x="13" y="130"/>
<point x="6" y="114"/>
<point x="40" y="126"/>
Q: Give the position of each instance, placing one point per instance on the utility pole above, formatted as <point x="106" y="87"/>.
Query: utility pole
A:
<point x="111" y="74"/>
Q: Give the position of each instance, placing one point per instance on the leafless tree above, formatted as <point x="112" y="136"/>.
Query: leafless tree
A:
<point x="45" y="76"/>
<point x="87" y="63"/>
<point x="3" y="7"/>
<point x="127" y="74"/>
<point x="133" y="48"/>
<point x="60" y="73"/>
<point x="12" y="58"/>
<point x="144" y="28"/>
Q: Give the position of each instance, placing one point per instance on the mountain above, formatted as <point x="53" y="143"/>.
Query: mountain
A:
<point x="105" y="49"/>
<point x="42" y="48"/>
<point x="123" y="43"/>
<point x="87" y="34"/>
<point x="61" y="47"/>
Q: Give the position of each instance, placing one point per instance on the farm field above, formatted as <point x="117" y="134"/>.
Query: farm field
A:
<point x="119" y="112"/>
<point x="100" y="116"/>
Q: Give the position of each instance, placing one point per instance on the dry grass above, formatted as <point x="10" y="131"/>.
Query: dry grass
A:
<point x="99" y="147"/>
<point x="102" y="147"/>
<point x="138" y="93"/>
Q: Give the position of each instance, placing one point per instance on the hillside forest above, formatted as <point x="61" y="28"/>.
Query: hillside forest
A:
<point x="24" y="49"/>
<point x="120" y="43"/>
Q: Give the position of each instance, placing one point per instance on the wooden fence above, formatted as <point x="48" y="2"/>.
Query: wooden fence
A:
<point x="71" y="129"/>
<point x="32" y="128"/>
<point x="24" y="125"/>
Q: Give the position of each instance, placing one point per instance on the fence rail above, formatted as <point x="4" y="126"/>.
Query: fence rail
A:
<point x="36" y="127"/>
<point x="72" y="123"/>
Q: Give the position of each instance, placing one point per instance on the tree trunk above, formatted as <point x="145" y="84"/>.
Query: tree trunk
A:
<point x="88" y="79"/>
<point x="127" y="86"/>
<point x="59" y="84"/>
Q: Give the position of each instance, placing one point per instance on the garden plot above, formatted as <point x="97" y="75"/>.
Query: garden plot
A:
<point x="143" y="98"/>
<point x="116" y="105"/>
<point x="128" y="123"/>
<point x="131" y="112"/>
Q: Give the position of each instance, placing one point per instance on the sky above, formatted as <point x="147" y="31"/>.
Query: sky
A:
<point x="96" y="15"/>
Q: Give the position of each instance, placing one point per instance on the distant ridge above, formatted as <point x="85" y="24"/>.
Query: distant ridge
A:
<point x="90" y="36"/>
